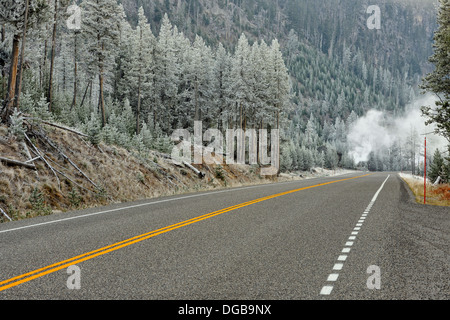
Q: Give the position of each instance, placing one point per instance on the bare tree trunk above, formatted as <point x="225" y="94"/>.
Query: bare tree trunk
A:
<point x="52" y="61"/>
<point x="22" y="55"/>
<point x="278" y="144"/>
<point x="102" y="99"/>
<point x="240" y="116"/>
<point x="2" y="64"/>
<point x="259" y="156"/>
<point x="18" y="163"/>
<point x="90" y="92"/>
<point x="43" y="67"/>
<point x="75" y="72"/>
<point x="241" y="126"/>
<point x="9" y="101"/>
<point x="64" y="86"/>
<point x="197" y="109"/>
<point x="85" y="92"/>
<point x="44" y="64"/>
<point x="138" y="112"/>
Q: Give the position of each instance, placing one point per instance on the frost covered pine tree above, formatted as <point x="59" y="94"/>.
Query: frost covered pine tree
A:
<point x="93" y="129"/>
<point x="279" y="81"/>
<point x="127" y="123"/>
<point x="239" y="87"/>
<point x="183" y="113"/>
<point x="203" y="81"/>
<point x="139" y="74"/>
<point x="147" y="137"/>
<point x="166" y="76"/>
<point x="311" y="136"/>
<point x="437" y="167"/>
<point x="260" y="56"/>
<point x="17" y="129"/>
<point x="101" y="26"/>
<point x="221" y="71"/>
<point x="438" y="81"/>
<point x="352" y="119"/>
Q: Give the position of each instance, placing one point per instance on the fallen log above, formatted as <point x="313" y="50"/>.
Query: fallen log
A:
<point x="65" y="128"/>
<point x="176" y="163"/>
<point x="200" y="174"/>
<point x="18" y="163"/>
<point x="4" y="213"/>
<point x="41" y="155"/>
<point x="58" y="126"/>
<point x="31" y="160"/>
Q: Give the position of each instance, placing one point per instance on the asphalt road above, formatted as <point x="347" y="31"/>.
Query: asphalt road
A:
<point x="288" y="241"/>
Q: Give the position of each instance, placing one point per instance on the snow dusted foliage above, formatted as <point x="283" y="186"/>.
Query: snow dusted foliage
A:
<point x="127" y="86"/>
<point x="172" y="82"/>
<point x="134" y="71"/>
<point x="12" y="12"/>
<point x="17" y="129"/>
<point x="101" y="28"/>
<point x="166" y="75"/>
<point x="279" y="78"/>
<point x="221" y="73"/>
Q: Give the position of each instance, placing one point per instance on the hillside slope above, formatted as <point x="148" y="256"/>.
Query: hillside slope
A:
<point x="402" y="46"/>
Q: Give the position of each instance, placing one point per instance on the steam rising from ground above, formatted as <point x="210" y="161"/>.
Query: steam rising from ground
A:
<point x="377" y="131"/>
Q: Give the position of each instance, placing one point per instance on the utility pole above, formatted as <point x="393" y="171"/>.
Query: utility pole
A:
<point x="425" y="175"/>
<point x="425" y="169"/>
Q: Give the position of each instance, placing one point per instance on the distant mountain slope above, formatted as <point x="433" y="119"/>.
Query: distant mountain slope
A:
<point x="402" y="46"/>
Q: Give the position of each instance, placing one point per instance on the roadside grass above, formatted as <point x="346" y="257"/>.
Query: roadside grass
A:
<point x="436" y="195"/>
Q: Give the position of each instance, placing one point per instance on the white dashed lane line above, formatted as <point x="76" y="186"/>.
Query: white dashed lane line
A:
<point x="338" y="266"/>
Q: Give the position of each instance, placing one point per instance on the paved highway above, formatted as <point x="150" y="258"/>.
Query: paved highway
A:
<point x="356" y="236"/>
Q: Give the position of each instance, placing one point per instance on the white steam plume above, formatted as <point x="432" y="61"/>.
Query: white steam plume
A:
<point x="378" y="130"/>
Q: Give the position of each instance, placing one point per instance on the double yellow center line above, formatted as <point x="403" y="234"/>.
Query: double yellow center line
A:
<point x="6" y="284"/>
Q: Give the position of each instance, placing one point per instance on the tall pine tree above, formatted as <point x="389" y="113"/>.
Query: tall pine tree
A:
<point x="101" y="26"/>
<point x="438" y="81"/>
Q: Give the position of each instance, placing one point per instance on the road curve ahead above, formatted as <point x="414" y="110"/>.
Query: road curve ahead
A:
<point x="358" y="236"/>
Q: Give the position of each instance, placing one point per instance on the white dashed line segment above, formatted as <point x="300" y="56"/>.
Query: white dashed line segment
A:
<point x="326" y="290"/>
<point x="333" y="277"/>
